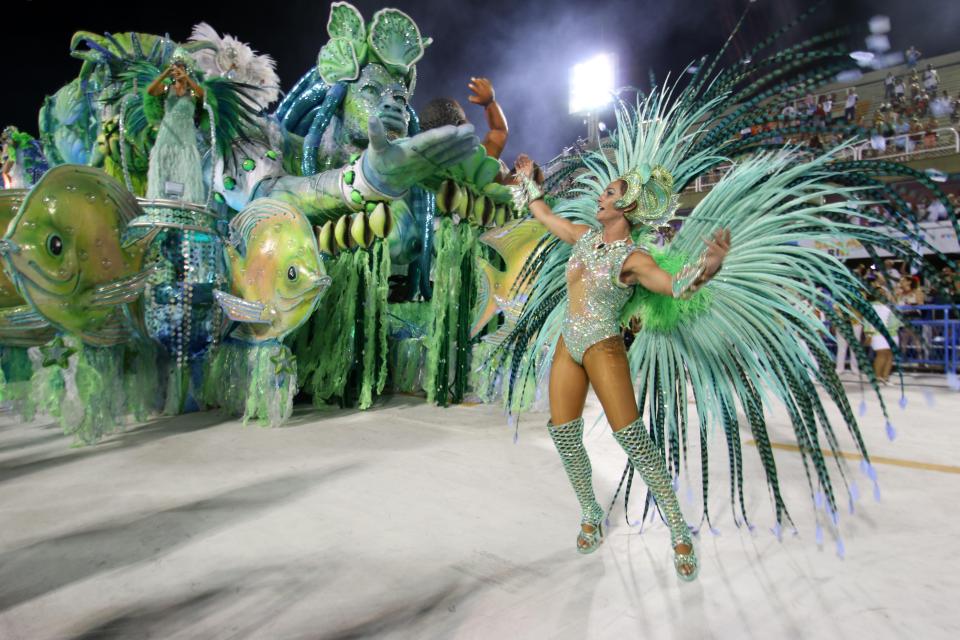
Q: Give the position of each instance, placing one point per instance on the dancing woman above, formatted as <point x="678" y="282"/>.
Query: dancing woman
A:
<point x="737" y="345"/>
<point x="175" y="157"/>
<point x="603" y="268"/>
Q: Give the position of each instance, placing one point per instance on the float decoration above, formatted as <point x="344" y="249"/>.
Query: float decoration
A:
<point x="276" y="280"/>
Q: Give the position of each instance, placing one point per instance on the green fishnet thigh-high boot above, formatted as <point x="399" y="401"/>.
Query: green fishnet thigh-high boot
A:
<point x="645" y="458"/>
<point x="568" y="438"/>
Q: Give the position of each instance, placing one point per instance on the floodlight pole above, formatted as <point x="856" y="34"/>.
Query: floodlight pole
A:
<point x="593" y="130"/>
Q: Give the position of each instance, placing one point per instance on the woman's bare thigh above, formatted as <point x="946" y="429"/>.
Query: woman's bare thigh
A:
<point x="609" y="372"/>
<point x="568" y="386"/>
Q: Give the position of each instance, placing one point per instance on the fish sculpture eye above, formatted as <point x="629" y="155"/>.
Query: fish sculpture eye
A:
<point x="292" y="274"/>
<point x="54" y="244"/>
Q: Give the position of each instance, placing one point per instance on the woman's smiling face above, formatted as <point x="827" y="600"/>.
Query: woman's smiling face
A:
<point x="607" y="210"/>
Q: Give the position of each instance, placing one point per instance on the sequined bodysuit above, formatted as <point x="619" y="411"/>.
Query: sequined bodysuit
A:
<point x="595" y="294"/>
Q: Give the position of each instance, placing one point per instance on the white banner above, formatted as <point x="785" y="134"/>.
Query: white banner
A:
<point x="938" y="234"/>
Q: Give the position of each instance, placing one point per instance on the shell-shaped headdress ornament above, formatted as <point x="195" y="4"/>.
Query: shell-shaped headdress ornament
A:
<point x="652" y="190"/>
<point x="392" y="39"/>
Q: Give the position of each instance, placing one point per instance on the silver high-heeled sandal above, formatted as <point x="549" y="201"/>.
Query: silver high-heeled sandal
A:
<point x="589" y="541"/>
<point x="688" y="561"/>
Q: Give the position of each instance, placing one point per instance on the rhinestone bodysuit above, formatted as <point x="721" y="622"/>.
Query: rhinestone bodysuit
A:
<point x="595" y="294"/>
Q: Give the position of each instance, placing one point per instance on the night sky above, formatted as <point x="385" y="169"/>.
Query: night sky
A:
<point x="526" y="48"/>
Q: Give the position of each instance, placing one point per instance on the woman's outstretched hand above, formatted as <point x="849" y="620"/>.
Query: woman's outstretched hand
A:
<point x="717" y="248"/>
<point x="524" y="165"/>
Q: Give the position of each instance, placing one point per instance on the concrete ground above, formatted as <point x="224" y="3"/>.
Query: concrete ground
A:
<point x="410" y="521"/>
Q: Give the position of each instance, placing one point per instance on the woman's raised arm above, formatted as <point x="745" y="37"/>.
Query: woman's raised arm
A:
<point x="558" y="226"/>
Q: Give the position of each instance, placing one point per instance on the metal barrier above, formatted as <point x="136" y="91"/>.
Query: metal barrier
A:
<point x="946" y="142"/>
<point x="904" y="149"/>
<point x="932" y="338"/>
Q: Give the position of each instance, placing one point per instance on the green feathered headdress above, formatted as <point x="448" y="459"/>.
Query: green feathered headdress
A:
<point x="652" y="152"/>
<point x="652" y="191"/>
<point x="391" y="39"/>
<point x="182" y="57"/>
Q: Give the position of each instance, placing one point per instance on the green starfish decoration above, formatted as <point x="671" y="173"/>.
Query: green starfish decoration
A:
<point x="57" y="352"/>
<point x="284" y="363"/>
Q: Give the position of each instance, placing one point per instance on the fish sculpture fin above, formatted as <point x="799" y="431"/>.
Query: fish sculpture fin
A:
<point x="123" y="291"/>
<point x="516" y="240"/>
<point x="115" y="331"/>
<point x="138" y="237"/>
<point x="22" y="326"/>
<point x="324" y="283"/>
<point x="488" y="302"/>
<point x="240" y="310"/>
<point x="20" y="319"/>
<point x="502" y="333"/>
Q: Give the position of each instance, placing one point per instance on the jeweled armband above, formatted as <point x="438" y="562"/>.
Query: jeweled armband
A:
<point x="687" y="277"/>
<point x="526" y="192"/>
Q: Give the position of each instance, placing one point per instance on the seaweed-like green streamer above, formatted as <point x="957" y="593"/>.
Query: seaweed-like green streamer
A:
<point x="255" y="381"/>
<point x="342" y="350"/>
<point x="454" y="296"/>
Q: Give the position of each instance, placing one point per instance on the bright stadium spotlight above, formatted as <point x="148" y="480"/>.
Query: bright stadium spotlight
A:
<point x="591" y="84"/>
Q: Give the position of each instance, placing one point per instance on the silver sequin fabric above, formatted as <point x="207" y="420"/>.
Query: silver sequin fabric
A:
<point x="595" y="295"/>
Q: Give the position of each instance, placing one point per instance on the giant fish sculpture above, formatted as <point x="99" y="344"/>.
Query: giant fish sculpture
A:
<point x="276" y="276"/>
<point x="64" y="252"/>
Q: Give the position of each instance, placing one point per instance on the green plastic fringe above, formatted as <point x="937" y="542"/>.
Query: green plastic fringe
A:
<point x="407" y="359"/>
<point x="454" y="297"/>
<point x="16" y="370"/>
<point x="141" y="380"/>
<point x="100" y="387"/>
<point x="413" y="317"/>
<point x="342" y="350"/>
<point x="374" y="350"/>
<point x="408" y="323"/>
<point x="255" y="381"/>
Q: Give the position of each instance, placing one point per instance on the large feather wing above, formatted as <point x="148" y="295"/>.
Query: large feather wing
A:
<point x="757" y="339"/>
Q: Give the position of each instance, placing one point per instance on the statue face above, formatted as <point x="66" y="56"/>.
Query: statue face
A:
<point x="375" y="93"/>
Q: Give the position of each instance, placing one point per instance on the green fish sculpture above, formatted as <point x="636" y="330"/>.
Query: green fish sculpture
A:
<point x="276" y="275"/>
<point x="20" y="324"/>
<point x="64" y="252"/>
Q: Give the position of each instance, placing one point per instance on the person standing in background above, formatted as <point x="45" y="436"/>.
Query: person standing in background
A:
<point x="888" y="83"/>
<point x="850" y="106"/>
<point x="931" y="80"/>
<point x="883" y="355"/>
<point x="843" y="346"/>
<point x="913" y="56"/>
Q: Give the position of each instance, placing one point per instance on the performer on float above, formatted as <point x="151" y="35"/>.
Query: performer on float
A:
<point x="182" y="324"/>
<point x="444" y="111"/>
<point x="21" y="159"/>
<point x="174" y="159"/>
